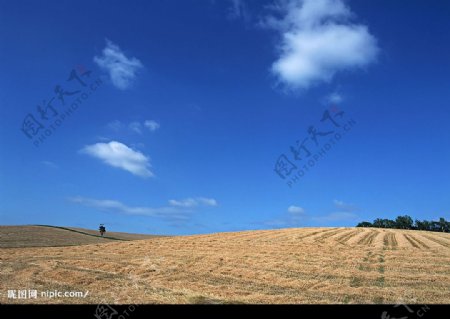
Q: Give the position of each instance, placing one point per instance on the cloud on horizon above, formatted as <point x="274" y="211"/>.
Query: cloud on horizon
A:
<point x="193" y="202"/>
<point x="173" y="213"/>
<point x="122" y="70"/>
<point x="317" y="40"/>
<point x="344" y="212"/>
<point x="297" y="216"/>
<point x="120" y="156"/>
<point x="294" y="216"/>
<point x="335" y="217"/>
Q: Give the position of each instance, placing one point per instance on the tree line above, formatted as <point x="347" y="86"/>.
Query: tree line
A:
<point x="406" y="222"/>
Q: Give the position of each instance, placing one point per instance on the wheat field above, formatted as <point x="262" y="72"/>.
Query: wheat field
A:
<point x="298" y="265"/>
<point x="52" y="236"/>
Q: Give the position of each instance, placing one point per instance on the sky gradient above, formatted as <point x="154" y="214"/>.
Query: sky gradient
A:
<point x="188" y="105"/>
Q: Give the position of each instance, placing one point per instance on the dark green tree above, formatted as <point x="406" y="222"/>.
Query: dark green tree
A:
<point x="364" y="224"/>
<point x="388" y="223"/>
<point x="378" y="223"/>
<point x="443" y="225"/>
<point x="435" y="226"/>
<point x="427" y="225"/>
<point x="419" y="225"/>
<point x="404" y="222"/>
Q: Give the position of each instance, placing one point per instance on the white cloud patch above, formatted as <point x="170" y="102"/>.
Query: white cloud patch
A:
<point x="134" y="127"/>
<point x="335" y="217"/>
<point x="344" y="207"/>
<point x="294" y="217"/>
<point x="334" y="98"/>
<point x="173" y="214"/>
<point x="121" y="156"/>
<point x="122" y="70"/>
<point x="115" y="125"/>
<point x="297" y="216"/>
<point x="50" y="164"/>
<point x="207" y="201"/>
<point x="295" y="210"/>
<point x="103" y="138"/>
<point x="193" y="202"/>
<point x="344" y="212"/>
<point x="317" y="41"/>
<point x="183" y="203"/>
<point x="116" y="206"/>
<point x="151" y="125"/>
<point x="238" y="10"/>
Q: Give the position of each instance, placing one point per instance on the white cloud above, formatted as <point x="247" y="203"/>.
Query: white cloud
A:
<point x="183" y="203"/>
<point x="173" y="214"/>
<point x="135" y="127"/>
<point x="297" y="216"/>
<point x="334" y="98"/>
<point x="280" y="223"/>
<point x="121" y="156"/>
<point x="335" y="217"/>
<point x="115" y="125"/>
<point x="295" y="210"/>
<point x="116" y="206"/>
<point x="318" y="40"/>
<point x="122" y="70"/>
<point x="237" y="10"/>
<point x="207" y="201"/>
<point x="151" y="125"/>
<point x="103" y="138"/>
<point x="294" y="217"/>
<point x="344" y="207"/>
<point x="50" y="164"/>
<point x="193" y="202"/>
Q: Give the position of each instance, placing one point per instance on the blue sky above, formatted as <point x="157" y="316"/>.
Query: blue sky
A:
<point x="184" y="108"/>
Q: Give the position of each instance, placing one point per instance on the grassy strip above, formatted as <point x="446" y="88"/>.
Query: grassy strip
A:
<point x="80" y="232"/>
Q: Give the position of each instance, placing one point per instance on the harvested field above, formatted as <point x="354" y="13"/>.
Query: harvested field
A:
<point x="303" y="265"/>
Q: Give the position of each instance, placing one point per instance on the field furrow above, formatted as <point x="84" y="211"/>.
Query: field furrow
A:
<point x="327" y="235"/>
<point x="347" y="236"/>
<point x="439" y="241"/>
<point x="368" y="238"/>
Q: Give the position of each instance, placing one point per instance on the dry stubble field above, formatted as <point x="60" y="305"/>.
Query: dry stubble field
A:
<point x="303" y="265"/>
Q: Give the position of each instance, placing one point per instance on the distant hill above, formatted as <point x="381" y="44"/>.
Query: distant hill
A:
<point x="56" y="236"/>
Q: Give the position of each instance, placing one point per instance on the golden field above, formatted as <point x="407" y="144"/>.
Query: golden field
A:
<point x="295" y="265"/>
<point x="53" y="236"/>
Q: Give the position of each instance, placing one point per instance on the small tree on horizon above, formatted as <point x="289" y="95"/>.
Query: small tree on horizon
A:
<point x="102" y="229"/>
